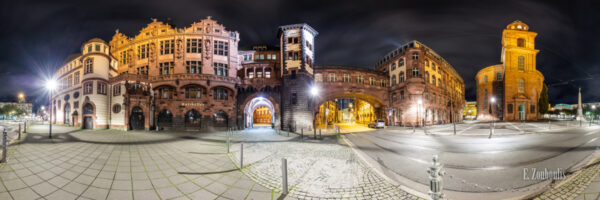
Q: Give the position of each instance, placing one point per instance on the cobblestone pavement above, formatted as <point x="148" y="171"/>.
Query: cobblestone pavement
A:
<point x="584" y="186"/>
<point x="325" y="169"/>
<point x="122" y="165"/>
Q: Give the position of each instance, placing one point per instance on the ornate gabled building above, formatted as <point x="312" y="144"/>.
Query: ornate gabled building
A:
<point x="196" y="78"/>
<point x="510" y="91"/>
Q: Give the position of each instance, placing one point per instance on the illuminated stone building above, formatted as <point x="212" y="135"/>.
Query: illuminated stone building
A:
<point x="516" y="84"/>
<point x="424" y="87"/>
<point x="196" y="78"/>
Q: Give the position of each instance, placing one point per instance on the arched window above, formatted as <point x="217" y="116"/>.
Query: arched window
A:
<point x="393" y="80"/>
<point x="521" y="42"/>
<point x="165" y="116"/>
<point x="401" y="77"/>
<point x="193" y="92"/>
<point x="220" y="118"/>
<point x="485" y="79"/>
<point x="192" y="118"/>
<point x="88" y="109"/>
<point x="401" y="62"/>
<point x="89" y="67"/>
<point x="415" y="71"/>
<point x="393" y="66"/>
<point x="521" y="85"/>
<point x="521" y="60"/>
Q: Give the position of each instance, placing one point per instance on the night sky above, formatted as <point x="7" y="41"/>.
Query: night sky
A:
<point x="36" y="36"/>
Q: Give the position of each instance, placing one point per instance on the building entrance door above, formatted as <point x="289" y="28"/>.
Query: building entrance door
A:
<point x="521" y="112"/>
<point x="136" y="119"/>
<point x="88" y="123"/>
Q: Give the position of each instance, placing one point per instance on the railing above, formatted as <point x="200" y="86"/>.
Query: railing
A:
<point x="127" y="76"/>
<point x="210" y="77"/>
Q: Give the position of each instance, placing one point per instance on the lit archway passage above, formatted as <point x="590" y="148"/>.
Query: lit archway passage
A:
<point x="262" y="116"/>
<point x="259" y="111"/>
<point x="345" y="112"/>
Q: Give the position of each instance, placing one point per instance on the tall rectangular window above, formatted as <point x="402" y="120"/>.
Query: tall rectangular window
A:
<point x="498" y="76"/>
<point x="167" y="47"/>
<point x="521" y="62"/>
<point x="346" y="78"/>
<point x="193" y="67"/>
<point x="194" y="46"/>
<point x="97" y="47"/>
<point x="116" y="89"/>
<point x="88" y="88"/>
<point x="76" y="78"/>
<point x="220" y="69"/>
<point x="143" y="51"/>
<point x="372" y="81"/>
<point x="360" y="79"/>
<point x="331" y="77"/>
<point x="166" y="68"/>
<point x="101" y="88"/>
<point x="221" y="48"/>
<point x="532" y="108"/>
<point x="509" y="108"/>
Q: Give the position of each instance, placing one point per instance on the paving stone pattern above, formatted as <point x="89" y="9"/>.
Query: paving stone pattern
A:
<point x="316" y="170"/>
<point x="122" y="165"/>
<point x="585" y="186"/>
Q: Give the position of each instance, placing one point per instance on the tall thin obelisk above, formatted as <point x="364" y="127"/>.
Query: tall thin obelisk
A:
<point x="580" y="108"/>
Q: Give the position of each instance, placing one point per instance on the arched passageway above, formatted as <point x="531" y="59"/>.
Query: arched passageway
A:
<point x="136" y="119"/>
<point x="347" y="110"/>
<point x="259" y="112"/>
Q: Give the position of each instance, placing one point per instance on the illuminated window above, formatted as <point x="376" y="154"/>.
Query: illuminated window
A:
<point x="393" y="66"/>
<point x="346" y="78"/>
<point x="401" y="62"/>
<point x="415" y="71"/>
<point x="166" y="92"/>
<point x="76" y="78"/>
<point x="360" y="79"/>
<point x="268" y="74"/>
<point x="258" y="74"/>
<point x="415" y="56"/>
<point x="167" y="47"/>
<point x="331" y="77"/>
<point x="393" y="80"/>
<point x="319" y="77"/>
<point x="142" y="70"/>
<point x="372" y="81"/>
<point x="193" y="92"/>
<point x="498" y="76"/>
<point x="250" y="75"/>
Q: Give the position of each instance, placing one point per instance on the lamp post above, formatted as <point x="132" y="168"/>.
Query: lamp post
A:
<point x="50" y="85"/>
<point x="314" y="91"/>
<point x="493" y="100"/>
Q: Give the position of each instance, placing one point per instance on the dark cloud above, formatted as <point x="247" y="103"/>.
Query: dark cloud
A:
<point x="38" y="35"/>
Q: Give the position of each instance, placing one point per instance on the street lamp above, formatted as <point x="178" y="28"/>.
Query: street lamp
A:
<point x="314" y="91"/>
<point x="50" y="86"/>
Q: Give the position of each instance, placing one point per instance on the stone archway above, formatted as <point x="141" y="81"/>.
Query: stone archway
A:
<point x="252" y="105"/>
<point x="348" y="109"/>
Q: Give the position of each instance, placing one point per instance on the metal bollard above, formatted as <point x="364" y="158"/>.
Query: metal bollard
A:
<point x="4" y="146"/>
<point x="491" y="131"/>
<point x="284" y="182"/>
<point x="228" y="142"/>
<point x="19" y="132"/>
<point x="549" y="125"/>
<point x="320" y="134"/>
<point x="241" y="155"/>
<point x="436" y="172"/>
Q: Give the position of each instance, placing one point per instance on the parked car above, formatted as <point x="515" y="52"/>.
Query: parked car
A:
<point x="377" y="124"/>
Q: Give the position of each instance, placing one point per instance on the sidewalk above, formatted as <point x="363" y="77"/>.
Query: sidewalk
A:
<point x="109" y="164"/>
<point x="584" y="185"/>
